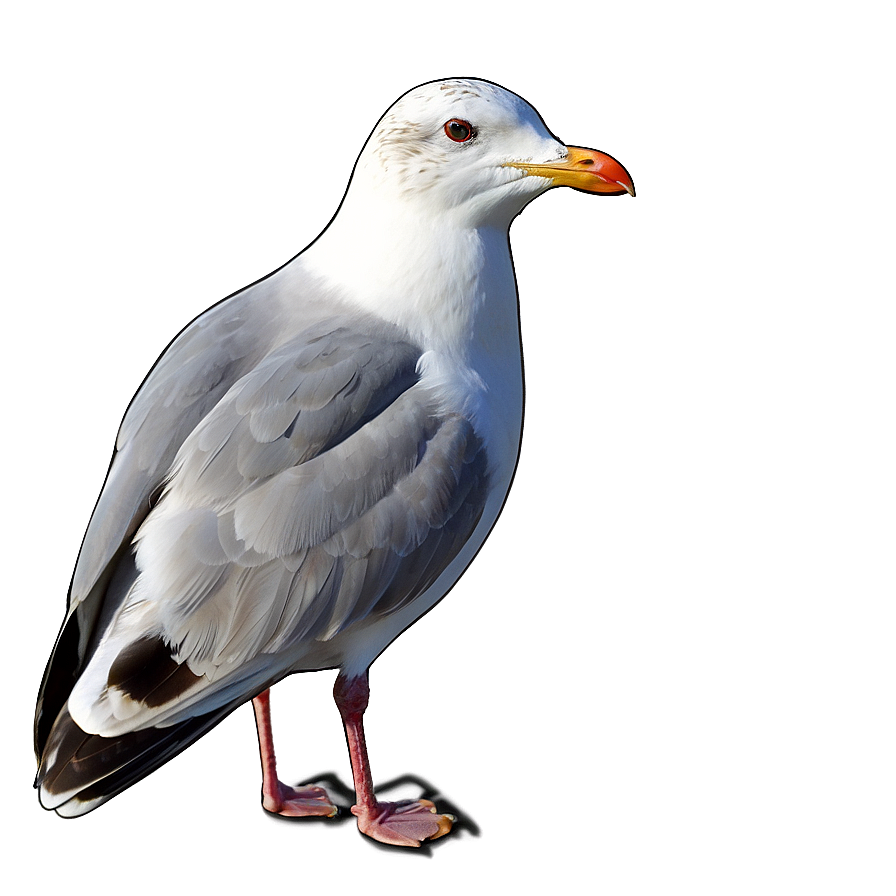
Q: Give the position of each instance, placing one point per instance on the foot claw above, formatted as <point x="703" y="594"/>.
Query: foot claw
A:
<point x="405" y="823"/>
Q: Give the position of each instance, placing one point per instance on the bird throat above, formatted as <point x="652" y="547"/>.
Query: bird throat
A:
<point x="449" y="288"/>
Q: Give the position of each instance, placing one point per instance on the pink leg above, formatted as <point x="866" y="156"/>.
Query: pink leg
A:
<point x="405" y="823"/>
<point x="275" y="796"/>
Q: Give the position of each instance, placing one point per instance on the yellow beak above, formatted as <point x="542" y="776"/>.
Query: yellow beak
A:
<point x="583" y="169"/>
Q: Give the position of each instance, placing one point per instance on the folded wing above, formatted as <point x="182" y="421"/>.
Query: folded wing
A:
<point x="326" y="489"/>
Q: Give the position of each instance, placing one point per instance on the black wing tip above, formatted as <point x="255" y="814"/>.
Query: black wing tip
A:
<point x="94" y="769"/>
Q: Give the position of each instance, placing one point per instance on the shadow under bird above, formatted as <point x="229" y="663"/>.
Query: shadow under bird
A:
<point x="312" y="463"/>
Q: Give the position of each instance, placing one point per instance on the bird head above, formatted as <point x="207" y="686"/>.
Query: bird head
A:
<point x="472" y="149"/>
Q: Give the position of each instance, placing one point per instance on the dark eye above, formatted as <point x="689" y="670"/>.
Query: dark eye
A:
<point x="459" y="130"/>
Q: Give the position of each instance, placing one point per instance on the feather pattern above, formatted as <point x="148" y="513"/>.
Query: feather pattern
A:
<point x="326" y="486"/>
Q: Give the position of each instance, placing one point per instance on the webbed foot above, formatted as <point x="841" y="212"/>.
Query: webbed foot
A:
<point x="293" y="802"/>
<point x="404" y="823"/>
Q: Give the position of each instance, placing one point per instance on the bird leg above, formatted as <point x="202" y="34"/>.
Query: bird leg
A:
<point x="402" y="823"/>
<point x="276" y="797"/>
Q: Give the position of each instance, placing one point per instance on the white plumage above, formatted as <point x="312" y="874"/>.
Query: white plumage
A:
<point x="313" y="462"/>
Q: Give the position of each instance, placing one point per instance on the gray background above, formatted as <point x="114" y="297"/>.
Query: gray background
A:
<point x="671" y="668"/>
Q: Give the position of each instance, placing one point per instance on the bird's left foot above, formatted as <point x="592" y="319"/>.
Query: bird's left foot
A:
<point x="405" y="823"/>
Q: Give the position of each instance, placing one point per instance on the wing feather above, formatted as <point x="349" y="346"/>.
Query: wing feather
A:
<point x="324" y="487"/>
<point x="187" y="381"/>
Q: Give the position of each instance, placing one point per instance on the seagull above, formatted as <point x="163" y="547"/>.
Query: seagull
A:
<point x="312" y="464"/>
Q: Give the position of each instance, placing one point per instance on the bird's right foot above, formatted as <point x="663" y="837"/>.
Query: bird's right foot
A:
<point x="299" y="802"/>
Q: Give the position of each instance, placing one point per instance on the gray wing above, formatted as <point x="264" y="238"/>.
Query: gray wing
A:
<point x="189" y="379"/>
<point x="192" y="375"/>
<point x="325" y="488"/>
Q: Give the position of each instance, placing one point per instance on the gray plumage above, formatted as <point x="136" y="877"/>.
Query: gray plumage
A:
<point x="308" y="485"/>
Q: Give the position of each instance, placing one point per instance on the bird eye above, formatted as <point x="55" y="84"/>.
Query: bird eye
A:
<point x="459" y="130"/>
